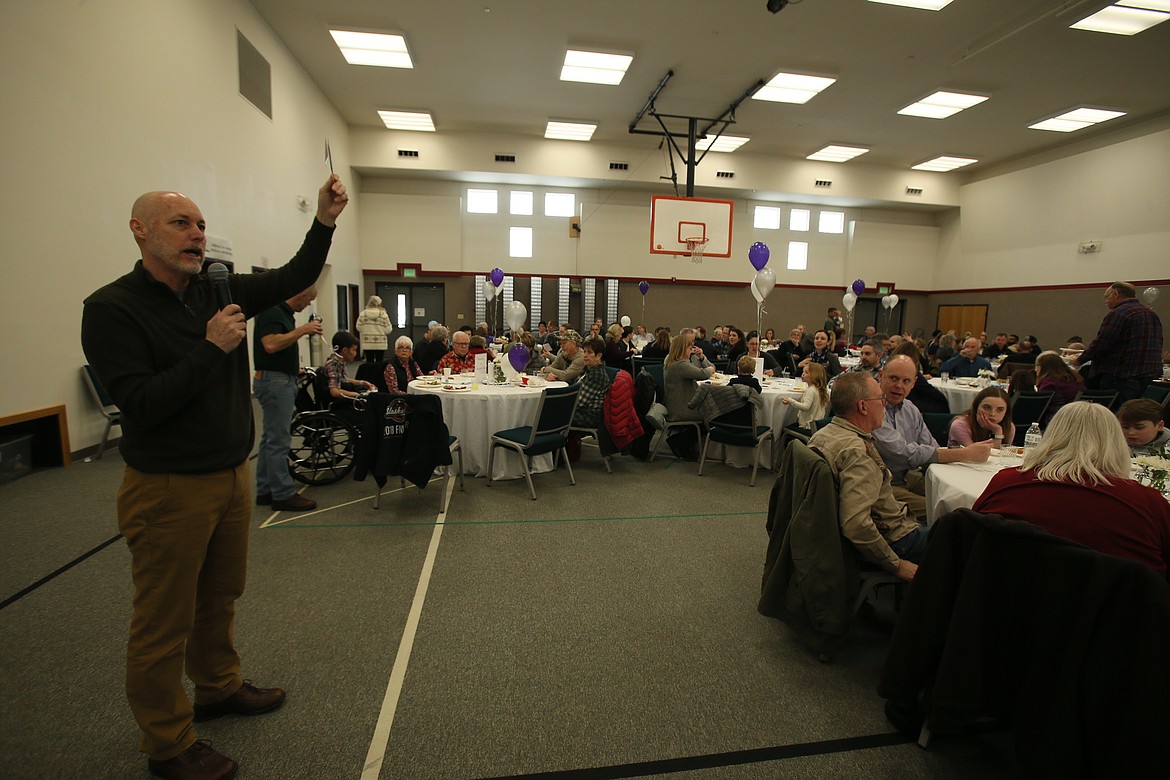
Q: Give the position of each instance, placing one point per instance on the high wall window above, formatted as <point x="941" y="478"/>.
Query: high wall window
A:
<point x="766" y="218"/>
<point x="797" y="256"/>
<point x="520" y="203"/>
<point x="831" y="222"/>
<point x="560" y="204"/>
<point x="482" y="201"/>
<point x="798" y="219"/>
<point x="519" y="242"/>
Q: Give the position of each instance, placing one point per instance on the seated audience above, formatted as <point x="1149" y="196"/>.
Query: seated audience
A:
<point x="1076" y="484"/>
<point x="459" y="359"/>
<point x="904" y="442"/>
<point x="870" y="332"/>
<point x="813" y="404"/>
<point x="790" y="347"/>
<point x="879" y="526"/>
<point x="870" y="361"/>
<point x="660" y="347"/>
<point x="430" y="352"/>
<point x="769" y="336"/>
<point x="946" y="348"/>
<point x="594" y="384"/>
<point x="823" y="354"/>
<point x="345" y="351"/>
<point x="736" y="344"/>
<point x="697" y="357"/>
<point x="990" y="417"/>
<point x="997" y="348"/>
<point x="1022" y="380"/>
<point x="1025" y="352"/>
<point x="479" y="347"/>
<point x="401" y="368"/>
<point x="925" y="396"/>
<point x="771" y="367"/>
<point x="746" y="374"/>
<point x="617" y="349"/>
<point x="569" y="363"/>
<point x="706" y="347"/>
<point x="1052" y="373"/>
<point x="640" y="338"/>
<point x="968" y="363"/>
<point x="719" y="344"/>
<point x="536" y="361"/>
<point x="680" y="379"/>
<point x="1143" y="426"/>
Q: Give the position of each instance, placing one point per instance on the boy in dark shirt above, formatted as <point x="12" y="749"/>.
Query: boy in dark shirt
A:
<point x="747" y="369"/>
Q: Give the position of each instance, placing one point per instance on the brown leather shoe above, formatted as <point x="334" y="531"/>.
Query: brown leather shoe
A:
<point x="294" y="503"/>
<point x="198" y="762"/>
<point x="248" y="700"/>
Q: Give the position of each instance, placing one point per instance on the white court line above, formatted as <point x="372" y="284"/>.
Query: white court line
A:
<point x="289" y="517"/>
<point x="377" y="752"/>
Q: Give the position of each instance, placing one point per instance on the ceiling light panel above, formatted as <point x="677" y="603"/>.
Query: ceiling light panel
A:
<point x="944" y="163"/>
<point x="792" y="88"/>
<point x="569" y="131"/>
<point x="725" y="143"/>
<point x="925" y="5"/>
<point x="594" y="67"/>
<point x="408" y="120"/>
<point x="1076" y="119"/>
<point x="1121" y="20"/>
<point x="837" y="153"/>
<point x="942" y="104"/>
<point x="377" y="49"/>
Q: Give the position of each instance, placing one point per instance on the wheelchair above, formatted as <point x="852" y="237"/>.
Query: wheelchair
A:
<point x="325" y="431"/>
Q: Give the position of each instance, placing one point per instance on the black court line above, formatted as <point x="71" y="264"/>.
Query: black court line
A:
<point x="715" y="760"/>
<point x="43" y="580"/>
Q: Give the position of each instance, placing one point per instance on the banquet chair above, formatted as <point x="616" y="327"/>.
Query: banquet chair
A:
<point x="656" y="370"/>
<point x="1028" y="407"/>
<point x="738" y="428"/>
<point x="1103" y="397"/>
<point x="548" y="433"/>
<point x="939" y="425"/>
<point x="105" y="405"/>
<point x="374" y="373"/>
<point x="1159" y="393"/>
<point x="456" y="448"/>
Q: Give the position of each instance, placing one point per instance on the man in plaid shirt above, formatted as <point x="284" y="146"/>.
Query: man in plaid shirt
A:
<point x="1127" y="352"/>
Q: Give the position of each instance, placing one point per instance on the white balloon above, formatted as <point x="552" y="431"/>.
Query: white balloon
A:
<point x="764" y="282"/>
<point x="893" y="300"/>
<point x="885" y="301"/>
<point x="1149" y="295"/>
<point x="625" y="322"/>
<point x="756" y="292"/>
<point x="489" y="290"/>
<point x="849" y="300"/>
<point x="514" y="314"/>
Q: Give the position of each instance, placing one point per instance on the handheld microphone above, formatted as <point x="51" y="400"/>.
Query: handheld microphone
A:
<point x="218" y="274"/>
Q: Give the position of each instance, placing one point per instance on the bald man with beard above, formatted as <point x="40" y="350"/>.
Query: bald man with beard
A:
<point x="172" y="361"/>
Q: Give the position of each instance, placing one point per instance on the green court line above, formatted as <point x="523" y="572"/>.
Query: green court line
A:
<point x="512" y="522"/>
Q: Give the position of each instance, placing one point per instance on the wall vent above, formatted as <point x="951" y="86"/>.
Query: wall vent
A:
<point x="913" y="190"/>
<point x="724" y="174"/>
<point x="823" y="183"/>
<point x="506" y="158"/>
<point x="408" y="152"/>
<point x="619" y="166"/>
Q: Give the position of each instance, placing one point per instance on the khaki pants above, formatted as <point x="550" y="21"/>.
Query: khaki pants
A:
<point x="188" y="540"/>
<point x="913" y="494"/>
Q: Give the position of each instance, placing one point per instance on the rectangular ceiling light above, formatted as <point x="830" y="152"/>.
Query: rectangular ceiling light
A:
<point x="942" y="104"/>
<point x="1124" y="18"/>
<point x="725" y="143"/>
<point x="383" y="51"/>
<point x="837" y="153"/>
<point x="407" y="120"/>
<point x="570" y="131"/>
<point x="926" y="5"/>
<point x="943" y="164"/>
<point x="1077" y="119"/>
<point x="594" y="67"/>
<point x="792" y="88"/>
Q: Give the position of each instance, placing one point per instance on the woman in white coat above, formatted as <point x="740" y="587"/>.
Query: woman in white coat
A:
<point x="374" y="326"/>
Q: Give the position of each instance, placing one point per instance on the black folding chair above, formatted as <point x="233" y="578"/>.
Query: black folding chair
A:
<point x="1028" y="407"/>
<point x="1103" y="397"/>
<point x="738" y="428"/>
<point x="105" y="405"/>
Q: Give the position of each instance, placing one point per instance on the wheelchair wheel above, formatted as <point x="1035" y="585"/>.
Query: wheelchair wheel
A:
<point x="322" y="449"/>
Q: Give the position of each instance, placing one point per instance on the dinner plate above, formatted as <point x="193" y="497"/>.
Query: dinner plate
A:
<point x="456" y="388"/>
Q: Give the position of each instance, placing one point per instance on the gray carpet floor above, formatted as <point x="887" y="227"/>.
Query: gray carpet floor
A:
<point x="610" y="625"/>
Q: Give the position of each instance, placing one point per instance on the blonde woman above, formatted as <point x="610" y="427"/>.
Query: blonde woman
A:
<point x="1075" y="484"/>
<point x="374" y="326"/>
<point x="680" y="379"/>
<point x="813" y="405"/>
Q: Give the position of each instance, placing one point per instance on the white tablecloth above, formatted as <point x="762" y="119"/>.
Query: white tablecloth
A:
<point x="951" y="486"/>
<point x="474" y="415"/>
<point x="959" y="396"/>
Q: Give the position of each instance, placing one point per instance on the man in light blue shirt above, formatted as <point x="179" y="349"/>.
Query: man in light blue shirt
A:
<point x="968" y="363"/>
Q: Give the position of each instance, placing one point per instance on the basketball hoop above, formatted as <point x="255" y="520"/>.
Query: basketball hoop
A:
<point x="695" y="246"/>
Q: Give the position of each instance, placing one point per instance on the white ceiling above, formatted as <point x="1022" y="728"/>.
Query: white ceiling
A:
<point x="493" y="66"/>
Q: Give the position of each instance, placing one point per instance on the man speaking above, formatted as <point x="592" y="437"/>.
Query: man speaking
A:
<point x="169" y="355"/>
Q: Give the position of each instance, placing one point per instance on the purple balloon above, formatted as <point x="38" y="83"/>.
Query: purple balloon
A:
<point x="519" y="356"/>
<point x="497" y="276"/>
<point x="858" y="287"/>
<point x="758" y="254"/>
<point x="643" y="287"/>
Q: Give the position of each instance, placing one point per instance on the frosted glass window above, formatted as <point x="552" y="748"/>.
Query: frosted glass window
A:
<point x="832" y="222"/>
<point x="798" y="219"/>
<point x="534" y="300"/>
<point x="482" y="202"/>
<point x="767" y="218"/>
<point x="520" y="202"/>
<point x="797" y="256"/>
<point x="401" y="311"/>
<point x="559" y="204"/>
<point x="520" y="242"/>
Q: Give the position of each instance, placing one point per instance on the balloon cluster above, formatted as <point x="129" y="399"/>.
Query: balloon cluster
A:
<point x="890" y="301"/>
<point x="765" y="279"/>
<point x="851" y="292"/>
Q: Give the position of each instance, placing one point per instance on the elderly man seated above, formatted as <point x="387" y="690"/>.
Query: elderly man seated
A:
<point x="569" y="363"/>
<point x="459" y="359"/>
<point x="906" y="444"/>
<point x="879" y="526"/>
<point x="968" y="363"/>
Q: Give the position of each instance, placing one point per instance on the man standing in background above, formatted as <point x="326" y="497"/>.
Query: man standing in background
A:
<point x="1127" y="352"/>
<point x="277" y="363"/>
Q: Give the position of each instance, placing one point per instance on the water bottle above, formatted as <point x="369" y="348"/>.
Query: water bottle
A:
<point x="1033" y="436"/>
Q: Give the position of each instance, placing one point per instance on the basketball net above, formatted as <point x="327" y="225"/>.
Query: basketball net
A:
<point x="696" y="246"/>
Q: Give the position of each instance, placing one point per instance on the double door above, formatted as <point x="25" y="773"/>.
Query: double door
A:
<point x="411" y="307"/>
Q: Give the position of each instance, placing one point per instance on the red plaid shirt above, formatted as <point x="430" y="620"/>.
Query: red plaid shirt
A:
<point x="1129" y="343"/>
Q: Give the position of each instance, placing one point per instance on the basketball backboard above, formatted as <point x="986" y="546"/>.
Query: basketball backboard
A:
<point x="674" y="220"/>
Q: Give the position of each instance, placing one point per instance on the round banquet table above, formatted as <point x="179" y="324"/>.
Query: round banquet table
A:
<point x="951" y="486"/>
<point x="479" y="411"/>
<point x="959" y="394"/>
